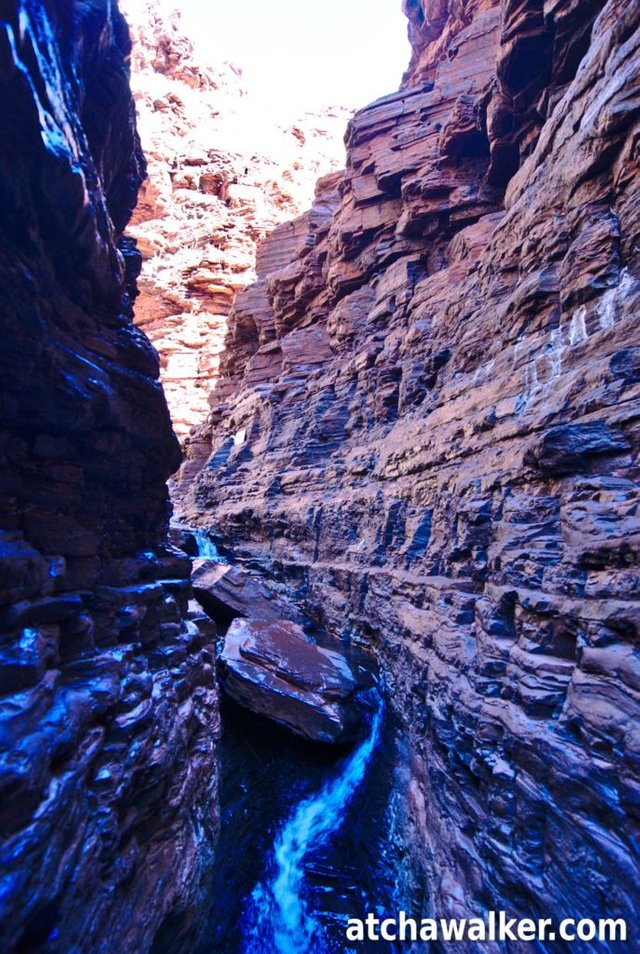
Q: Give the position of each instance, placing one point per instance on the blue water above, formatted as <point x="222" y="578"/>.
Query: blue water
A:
<point x="206" y="547"/>
<point x="277" y="916"/>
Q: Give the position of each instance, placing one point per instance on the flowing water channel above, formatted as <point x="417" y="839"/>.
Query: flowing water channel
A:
<point x="303" y="841"/>
<point x="278" y="916"/>
<point x="206" y="548"/>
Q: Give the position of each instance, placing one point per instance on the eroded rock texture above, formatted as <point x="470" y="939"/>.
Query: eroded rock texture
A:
<point x="224" y="169"/>
<point x="108" y="708"/>
<point x="429" y="427"/>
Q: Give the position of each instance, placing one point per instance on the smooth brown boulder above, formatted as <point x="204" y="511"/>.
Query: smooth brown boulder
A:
<point x="275" y="670"/>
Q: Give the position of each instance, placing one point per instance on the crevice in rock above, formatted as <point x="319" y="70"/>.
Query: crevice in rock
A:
<point x="467" y="297"/>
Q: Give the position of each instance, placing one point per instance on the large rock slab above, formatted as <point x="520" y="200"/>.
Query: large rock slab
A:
<point x="275" y="670"/>
<point x="226" y="591"/>
<point x="571" y="448"/>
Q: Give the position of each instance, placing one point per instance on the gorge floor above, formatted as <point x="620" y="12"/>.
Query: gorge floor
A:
<point x="266" y="773"/>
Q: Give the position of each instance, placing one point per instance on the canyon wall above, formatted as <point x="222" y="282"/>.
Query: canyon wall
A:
<point x="224" y="168"/>
<point x="428" y="428"/>
<point x="108" y="705"/>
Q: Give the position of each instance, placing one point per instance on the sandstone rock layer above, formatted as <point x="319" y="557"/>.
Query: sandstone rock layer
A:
<point x="224" y="168"/>
<point x="428" y="428"/>
<point x="226" y="592"/>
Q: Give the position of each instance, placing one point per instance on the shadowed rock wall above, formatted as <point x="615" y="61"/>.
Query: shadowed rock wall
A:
<point x="429" y="429"/>
<point x="108" y="711"/>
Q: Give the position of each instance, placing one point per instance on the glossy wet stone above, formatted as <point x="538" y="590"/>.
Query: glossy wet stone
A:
<point x="108" y="700"/>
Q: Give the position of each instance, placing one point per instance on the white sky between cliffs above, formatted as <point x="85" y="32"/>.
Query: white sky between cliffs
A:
<point x="309" y="54"/>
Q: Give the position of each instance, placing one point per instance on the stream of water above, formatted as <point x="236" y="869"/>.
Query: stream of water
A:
<point x="206" y="547"/>
<point x="301" y="845"/>
<point x="277" y="916"/>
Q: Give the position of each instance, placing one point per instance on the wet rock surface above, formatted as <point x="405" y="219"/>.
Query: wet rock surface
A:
<point x="274" y="669"/>
<point x="108" y="701"/>
<point x="265" y="772"/>
<point x="428" y="428"/>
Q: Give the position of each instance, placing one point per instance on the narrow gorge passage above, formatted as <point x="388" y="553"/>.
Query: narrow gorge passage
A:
<point x="305" y="827"/>
<point x="396" y="669"/>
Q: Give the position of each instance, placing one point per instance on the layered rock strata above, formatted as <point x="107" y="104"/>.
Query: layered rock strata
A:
<point x="108" y="705"/>
<point x="224" y="169"/>
<point x="429" y="429"/>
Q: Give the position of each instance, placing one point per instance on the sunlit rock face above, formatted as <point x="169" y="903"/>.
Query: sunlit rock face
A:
<point x="108" y="707"/>
<point x="428" y="428"/>
<point x="225" y="167"/>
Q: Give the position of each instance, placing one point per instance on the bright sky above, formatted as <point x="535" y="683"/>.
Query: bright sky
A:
<point x="313" y="52"/>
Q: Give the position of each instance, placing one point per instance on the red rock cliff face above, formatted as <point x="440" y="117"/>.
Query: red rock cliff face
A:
<point x="108" y="709"/>
<point x="224" y="169"/>
<point x="429" y="427"/>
